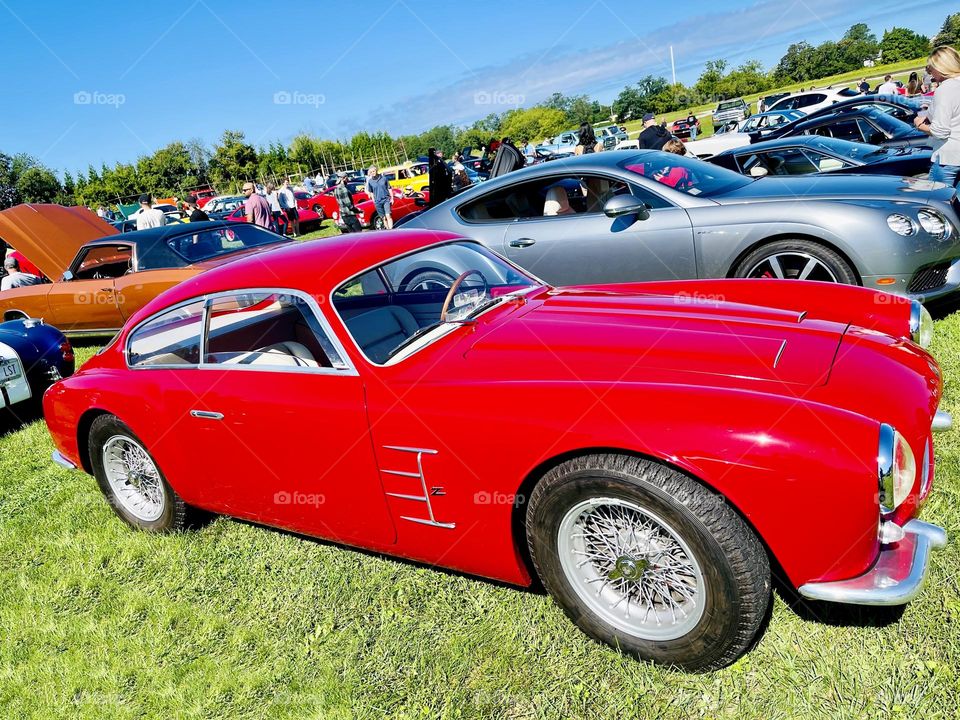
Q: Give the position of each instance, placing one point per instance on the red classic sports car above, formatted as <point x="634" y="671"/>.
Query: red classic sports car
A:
<point x="309" y="220"/>
<point x="325" y="204"/>
<point x="647" y="451"/>
<point x="403" y="204"/>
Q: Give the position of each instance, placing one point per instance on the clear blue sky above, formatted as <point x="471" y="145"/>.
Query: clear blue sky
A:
<point x="87" y="83"/>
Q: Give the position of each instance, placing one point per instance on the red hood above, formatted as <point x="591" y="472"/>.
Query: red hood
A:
<point x="50" y="236"/>
<point x="610" y="337"/>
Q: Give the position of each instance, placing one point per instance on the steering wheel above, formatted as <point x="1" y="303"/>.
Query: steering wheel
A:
<point x="456" y="286"/>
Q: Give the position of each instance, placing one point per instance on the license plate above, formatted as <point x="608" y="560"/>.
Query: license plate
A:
<point x="9" y="369"/>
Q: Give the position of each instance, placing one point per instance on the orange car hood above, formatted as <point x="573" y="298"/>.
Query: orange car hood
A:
<point x="49" y="236"/>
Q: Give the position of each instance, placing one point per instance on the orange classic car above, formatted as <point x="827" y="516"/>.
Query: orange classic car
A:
<point x="100" y="277"/>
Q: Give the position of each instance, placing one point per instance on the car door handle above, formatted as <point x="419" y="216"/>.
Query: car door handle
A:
<point x="522" y="242"/>
<point x="206" y="415"/>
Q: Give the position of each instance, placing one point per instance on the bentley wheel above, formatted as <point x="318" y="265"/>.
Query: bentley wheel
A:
<point x="648" y="560"/>
<point x="131" y="480"/>
<point x="796" y="260"/>
<point x="425" y="280"/>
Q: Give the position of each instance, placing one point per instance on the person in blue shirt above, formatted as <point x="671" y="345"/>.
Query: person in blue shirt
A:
<point x="378" y="188"/>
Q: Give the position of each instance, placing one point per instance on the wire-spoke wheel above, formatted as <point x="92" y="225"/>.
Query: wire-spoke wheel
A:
<point x="631" y="568"/>
<point x="796" y="260"/>
<point x="648" y="560"/>
<point x="131" y="480"/>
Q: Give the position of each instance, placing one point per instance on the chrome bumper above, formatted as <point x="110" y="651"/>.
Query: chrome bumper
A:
<point x="895" y="578"/>
<point x="61" y="460"/>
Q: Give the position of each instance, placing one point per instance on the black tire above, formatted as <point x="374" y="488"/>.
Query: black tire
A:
<point x="377" y="222"/>
<point x="753" y="265"/>
<point x="175" y="512"/>
<point x="734" y="568"/>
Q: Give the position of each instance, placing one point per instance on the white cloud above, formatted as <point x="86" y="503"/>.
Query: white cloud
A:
<point x="534" y="76"/>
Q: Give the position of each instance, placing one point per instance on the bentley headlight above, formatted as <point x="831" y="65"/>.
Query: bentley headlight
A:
<point x="901" y="224"/>
<point x="896" y="469"/>
<point x="921" y="325"/>
<point x="934" y="223"/>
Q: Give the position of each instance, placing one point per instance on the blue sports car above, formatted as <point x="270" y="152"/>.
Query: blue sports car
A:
<point x="33" y="356"/>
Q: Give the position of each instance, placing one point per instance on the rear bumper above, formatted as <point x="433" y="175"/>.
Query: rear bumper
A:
<point x="897" y="576"/>
<point x="63" y="461"/>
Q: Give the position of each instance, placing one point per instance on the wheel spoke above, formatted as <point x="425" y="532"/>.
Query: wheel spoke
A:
<point x="811" y="265"/>
<point x="775" y="266"/>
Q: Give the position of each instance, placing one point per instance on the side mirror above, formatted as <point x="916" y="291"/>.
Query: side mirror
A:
<point x="622" y="205"/>
<point x="758" y="171"/>
<point x="67" y="276"/>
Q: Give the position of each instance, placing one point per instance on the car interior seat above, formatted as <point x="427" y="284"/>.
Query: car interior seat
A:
<point x="379" y="331"/>
<point x="557" y="202"/>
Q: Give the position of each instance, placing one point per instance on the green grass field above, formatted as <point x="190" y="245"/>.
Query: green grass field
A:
<point x="238" y="621"/>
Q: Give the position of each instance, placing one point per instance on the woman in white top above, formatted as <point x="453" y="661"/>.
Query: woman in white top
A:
<point x="942" y="122"/>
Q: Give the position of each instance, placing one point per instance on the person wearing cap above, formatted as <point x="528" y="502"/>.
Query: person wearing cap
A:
<point x="14" y="278"/>
<point x="653" y="136"/>
<point x="256" y="208"/>
<point x="348" y="211"/>
<point x="194" y="213"/>
<point x="148" y="216"/>
<point x="378" y="188"/>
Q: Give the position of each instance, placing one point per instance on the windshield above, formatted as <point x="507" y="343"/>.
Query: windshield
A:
<point x="688" y="175"/>
<point x="845" y="148"/>
<point x="730" y="105"/>
<point x="412" y="301"/>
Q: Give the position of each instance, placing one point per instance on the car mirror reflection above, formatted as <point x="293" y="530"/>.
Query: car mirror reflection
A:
<point x="67" y="276"/>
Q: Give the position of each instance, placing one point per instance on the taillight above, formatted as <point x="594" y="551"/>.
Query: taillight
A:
<point x="66" y="351"/>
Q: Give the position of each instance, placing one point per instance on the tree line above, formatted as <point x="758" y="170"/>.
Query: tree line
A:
<point x="181" y="167"/>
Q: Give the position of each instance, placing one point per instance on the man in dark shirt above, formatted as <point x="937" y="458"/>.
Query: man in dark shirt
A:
<point x="348" y="211"/>
<point x="653" y="136"/>
<point x="193" y="210"/>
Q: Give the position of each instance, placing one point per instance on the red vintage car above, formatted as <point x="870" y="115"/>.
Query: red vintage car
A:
<point x="309" y="220"/>
<point x="325" y="204"/>
<point x="648" y="451"/>
<point x="403" y="204"/>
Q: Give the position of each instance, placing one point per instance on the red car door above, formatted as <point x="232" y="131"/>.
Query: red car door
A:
<point x="279" y="420"/>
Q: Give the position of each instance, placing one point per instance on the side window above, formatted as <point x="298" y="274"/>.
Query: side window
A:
<point x="267" y="331"/>
<point x="367" y="284"/>
<point x="104" y="261"/>
<point x="871" y="134"/>
<point x="172" y="338"/>
<point x="789" y="161"/>
<point x="825" y="163"/>
<point x="847" y="130"/>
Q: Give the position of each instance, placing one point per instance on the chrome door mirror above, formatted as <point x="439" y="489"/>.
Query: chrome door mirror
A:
<point x="67" y="276"/>
<point x="758" y="171"/>
<point x="622" y="205"/>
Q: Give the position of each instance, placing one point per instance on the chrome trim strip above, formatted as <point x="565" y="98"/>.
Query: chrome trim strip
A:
<point x="433" y="523"/>
<point x="891" y="581"/>
<point x="401" y="448"/>
<point x="402" y="473"/>
<point x="60" y="459"/>
<point x="431" y="519"/>
<point x="916" y="319"/>
<point x="942" y="421"/>
<point x="407" y="497"/>
<point x="776" y="360"/>
<point x="343" y="367"/>
<point x="801" y="316"/>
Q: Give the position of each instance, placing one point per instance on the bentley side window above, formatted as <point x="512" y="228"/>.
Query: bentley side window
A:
<point x="169" y="339"/>
<point x="266" y="330"/>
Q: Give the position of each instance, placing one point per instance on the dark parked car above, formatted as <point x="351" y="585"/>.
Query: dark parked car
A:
<point x="33" y="356"/>
<point x="900" y="107"/>
<point x="866" y="125"/>
<point x="806" y="154"/>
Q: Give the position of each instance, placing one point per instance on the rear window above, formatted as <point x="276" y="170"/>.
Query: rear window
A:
<point x="848" y="92"/>
<point x="209" y="244"/>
